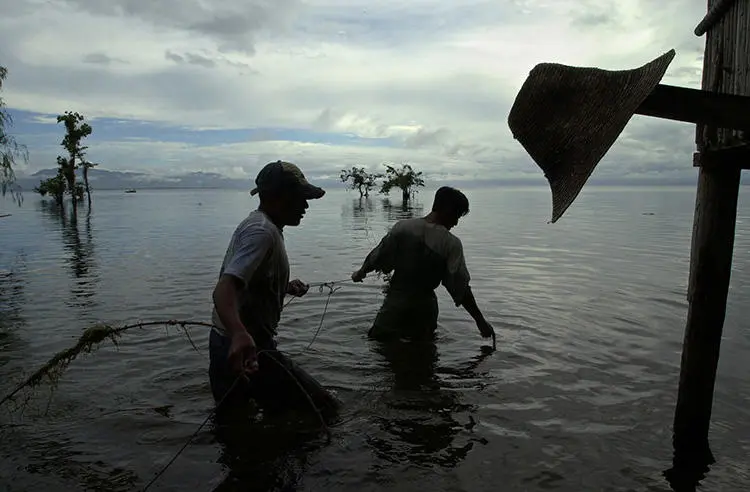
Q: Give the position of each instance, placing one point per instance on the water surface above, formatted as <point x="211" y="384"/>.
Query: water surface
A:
<point x="589" y="314"/>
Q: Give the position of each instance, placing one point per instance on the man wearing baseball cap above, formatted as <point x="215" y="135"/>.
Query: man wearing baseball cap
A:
<point x="248" y="299"/>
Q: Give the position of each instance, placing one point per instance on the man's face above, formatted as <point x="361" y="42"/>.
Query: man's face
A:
<point x="293" y="208"/>
<point x="451" y="220"/>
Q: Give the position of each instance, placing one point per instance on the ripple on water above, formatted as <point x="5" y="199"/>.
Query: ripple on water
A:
<point x="589" y="315"/>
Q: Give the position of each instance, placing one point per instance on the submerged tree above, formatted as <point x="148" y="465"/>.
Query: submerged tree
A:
<point x="75" y="131"/>
<point x="65" y="180"/>
<point x="86" y="165"/>
<point x="405" y="178"/>
<point x="10" y="150"/>
<point x="54" y="187"/>
<point x="361" y="180"/>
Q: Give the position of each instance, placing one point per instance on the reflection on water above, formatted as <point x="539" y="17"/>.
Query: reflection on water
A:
<point x="81" y="256"/>
<point x="12" y="296"/>
<point x="419" y="423"/>
<point x="262" y="457"/>
<point x="358" y="216"/>
<point x="404" y="210"/>
<point x="12" y="300"/>
<point x="362" y="206"/>
<point x="689" y="468"/>
<point x="589" y="315"/>
<point x="56" y="455"/>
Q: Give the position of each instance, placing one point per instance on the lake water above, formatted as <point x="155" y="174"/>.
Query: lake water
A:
<point x="589" y="315"/>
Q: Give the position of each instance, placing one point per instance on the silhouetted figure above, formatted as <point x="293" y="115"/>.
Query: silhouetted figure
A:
<point x="422" y="253"/>
<point x="249" y="297"/>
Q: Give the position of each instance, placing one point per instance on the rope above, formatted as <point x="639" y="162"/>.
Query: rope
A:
<point x="325" y="309"/>
<point x="223" y="398"/>
<point x="99" y="333"/>
<point x="187" y="443"/>
<point x="321" y="286"/>
<point x="88" y="339"/>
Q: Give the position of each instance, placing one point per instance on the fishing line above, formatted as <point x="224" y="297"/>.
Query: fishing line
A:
<point x="321" y="286"/>
<point x="187" y="443"/>
<point x="306" y="394"/>
<point x="98" y="333"/>
<point x="325" y="308"/>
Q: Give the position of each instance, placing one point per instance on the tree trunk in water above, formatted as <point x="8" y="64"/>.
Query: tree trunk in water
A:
<point x="86" y="184"/>
<point x="405" y="195"/>
<point x="70" y="174"/>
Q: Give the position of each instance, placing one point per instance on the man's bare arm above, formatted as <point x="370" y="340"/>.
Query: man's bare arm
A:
<point x="225" y="301"/>
<point x="470" y="304"/>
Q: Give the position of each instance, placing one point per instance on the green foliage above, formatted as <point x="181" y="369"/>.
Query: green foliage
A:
<point x="75" y="131"/>
<point x="54" y="187"/>
<point x="65" y="181"/>
<point x="361" y="180"/>
<point x="10" y="150"/>
<point x="404" y="178"/>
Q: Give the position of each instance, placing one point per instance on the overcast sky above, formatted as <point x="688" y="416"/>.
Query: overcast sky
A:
<point x="173" y="86"/>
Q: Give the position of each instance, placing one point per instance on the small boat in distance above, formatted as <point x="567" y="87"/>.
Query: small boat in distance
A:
<point x="130" y="190"/>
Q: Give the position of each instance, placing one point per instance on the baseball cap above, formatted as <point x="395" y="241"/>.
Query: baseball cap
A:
<point x="280" y="175"/>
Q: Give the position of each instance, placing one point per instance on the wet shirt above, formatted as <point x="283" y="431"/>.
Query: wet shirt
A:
<point x="257" y="256"/>
<point x="421" y="255"/>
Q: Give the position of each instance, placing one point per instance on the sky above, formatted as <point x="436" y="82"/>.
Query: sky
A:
<point x="177" y="86"/>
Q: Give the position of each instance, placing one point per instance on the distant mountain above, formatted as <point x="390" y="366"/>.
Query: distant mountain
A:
<point x="101" y="179"/>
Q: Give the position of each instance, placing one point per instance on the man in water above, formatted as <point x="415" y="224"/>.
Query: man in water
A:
<point x="422" y="253"/>
<point x="249" y="297"/>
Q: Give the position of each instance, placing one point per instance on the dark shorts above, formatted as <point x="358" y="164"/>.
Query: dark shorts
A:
<point x="278" y="386"/>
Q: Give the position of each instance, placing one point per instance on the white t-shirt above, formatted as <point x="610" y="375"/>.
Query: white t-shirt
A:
<point x="257" y="256"/>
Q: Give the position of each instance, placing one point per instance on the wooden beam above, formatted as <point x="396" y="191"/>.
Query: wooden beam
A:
<point x="697" y="106"/>
<point x="735" y="156"/>
<point x="713" y="16"/>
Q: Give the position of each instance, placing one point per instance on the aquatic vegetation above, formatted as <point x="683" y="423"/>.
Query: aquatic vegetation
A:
<point x="89" y="340"/>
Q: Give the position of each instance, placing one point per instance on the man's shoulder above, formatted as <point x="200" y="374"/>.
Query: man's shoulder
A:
<point x="453" y="240"/>
<point x="408" y="224"/>
<point x="256" y="226"/>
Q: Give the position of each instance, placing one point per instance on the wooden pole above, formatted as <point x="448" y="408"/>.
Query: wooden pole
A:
<point x="725" y="64"/>
<point x="710" y="270"/>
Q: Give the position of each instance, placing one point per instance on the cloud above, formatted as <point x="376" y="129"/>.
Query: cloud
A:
<point x="101" y="58"/>
<point x="329" y="83"/>
<point x="233" y="24"/>
<point x="191" y="58"/>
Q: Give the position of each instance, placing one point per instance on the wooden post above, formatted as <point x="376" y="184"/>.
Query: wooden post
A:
<point x="710" y="269"/>
<point x="725" y="70"/>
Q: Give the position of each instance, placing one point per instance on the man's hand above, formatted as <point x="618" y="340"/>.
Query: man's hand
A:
<point x="243" y="356"/>
<point x="485" y="329"/>
<point x="297" y="288"/>
<point x="358" y="276"/>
